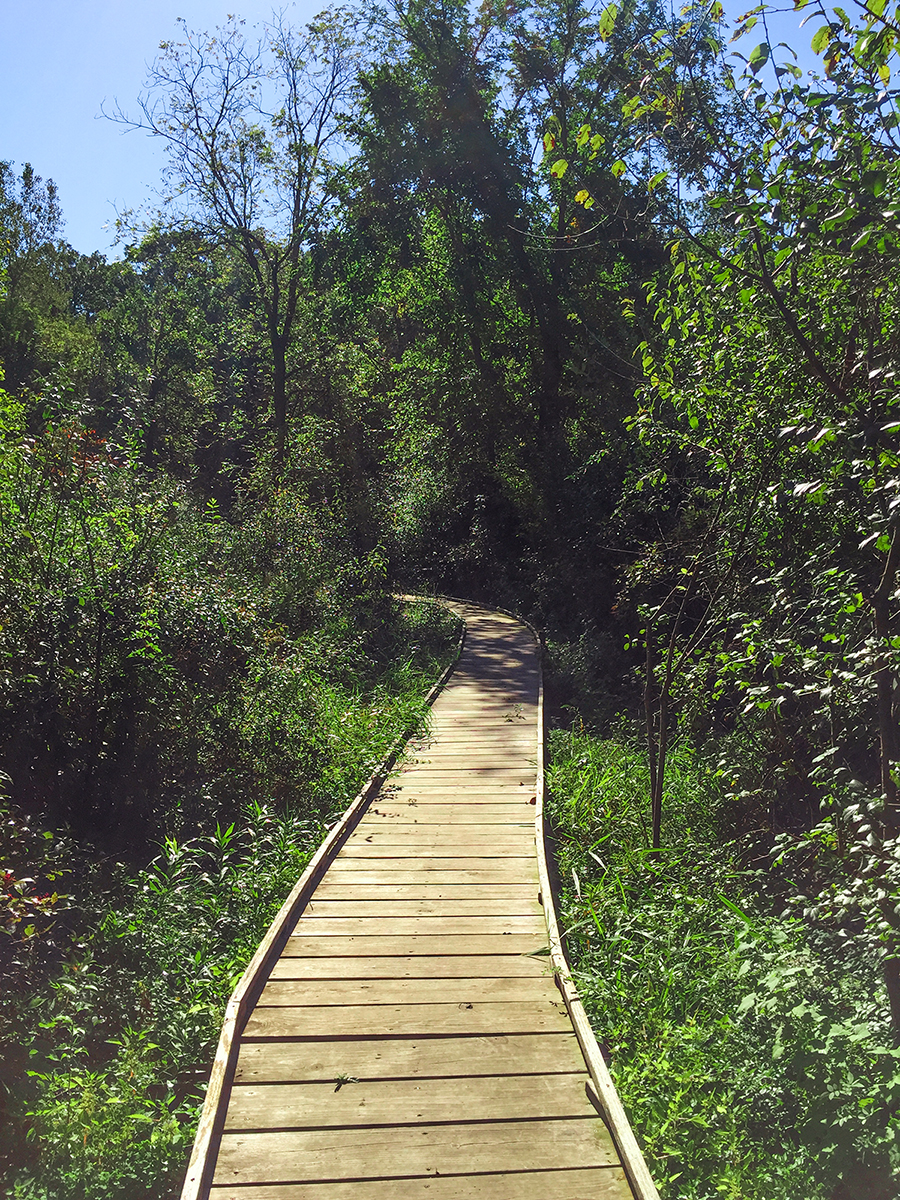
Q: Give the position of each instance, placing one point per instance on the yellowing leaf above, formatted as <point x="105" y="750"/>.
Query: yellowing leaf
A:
<point x="559" y="168"/>
<point x="607" y="21"/>
<point x="821" y="38"/>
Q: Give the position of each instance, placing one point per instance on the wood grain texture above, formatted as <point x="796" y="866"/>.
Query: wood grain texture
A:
<point x="480" y="847"/>
<point x="331" y="889"/>
<point x="599" y="1183"/>
<point x="464" y="1019"/>
<point x="465" y="966"/>
<point x="316" y="925"/>
<point x="383" y="944"/>
<point x="406" y="1102"/>
<point x="517" y="1056"/>
<point x="394" y="906"/>
<point x="460" y="989"/>
<point x="360" y="1152"/>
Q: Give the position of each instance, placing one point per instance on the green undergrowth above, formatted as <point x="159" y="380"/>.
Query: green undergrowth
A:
<point x="109" y="1045"/>
<point x="755" y="1062"/>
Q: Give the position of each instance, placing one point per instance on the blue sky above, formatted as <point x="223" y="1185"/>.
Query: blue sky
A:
<point x="61" y="60"/>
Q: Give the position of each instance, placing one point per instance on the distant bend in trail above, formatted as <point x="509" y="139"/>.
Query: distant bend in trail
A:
<point x="401" y="1033"/>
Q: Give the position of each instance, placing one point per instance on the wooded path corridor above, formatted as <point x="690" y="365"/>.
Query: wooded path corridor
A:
<point x="410" y="1040"/>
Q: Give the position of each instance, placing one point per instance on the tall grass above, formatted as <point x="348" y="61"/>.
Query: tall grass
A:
<point x="754" y="1064"/>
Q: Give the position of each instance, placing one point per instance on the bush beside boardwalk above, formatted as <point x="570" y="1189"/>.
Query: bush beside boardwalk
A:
<point x="114" y="988"/>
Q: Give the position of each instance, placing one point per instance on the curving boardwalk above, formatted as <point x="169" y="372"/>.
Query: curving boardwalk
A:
<point x="410" y="1039"/>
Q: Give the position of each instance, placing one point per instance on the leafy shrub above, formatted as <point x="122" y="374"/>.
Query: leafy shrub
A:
<point x="754" y="1059"/>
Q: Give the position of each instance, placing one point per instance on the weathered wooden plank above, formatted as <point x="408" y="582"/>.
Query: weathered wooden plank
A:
<point x="407" y="1101"/>
<point x="431" y="946"/>
<point x="593" y="1183"/>
<point x="494" y="966"/>
<point x="410" y="1058"/>
<point x="315" y="925"/>
<point x="438" y="870"/>
<point x="461" y="814"/>
<point x="334" y="889"/>
<point x="408" y="1020"/>
<point x="466" y="755"/>
<point x="482" y="848"/>
<point x="463" y="990"/>
<point x="390" y="834"/>
<point x="406" y="793"/>
<point x="469" y="775"/>
<point x="511" y="868"/>
<point x="412" y="1150"/>
<point x="433" y="870"/>
<point x="455" y="734"/>
<point x="398" y="907"/>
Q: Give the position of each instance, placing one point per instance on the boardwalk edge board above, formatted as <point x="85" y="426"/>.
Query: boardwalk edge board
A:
<point x="206" y="1143"/>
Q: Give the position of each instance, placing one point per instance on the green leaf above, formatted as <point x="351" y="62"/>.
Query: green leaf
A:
<point x="559" y="168"/>
<point x="656" y="180"/>
<point x="608" y="21"/>
<point x="582" y="136"/>
<point x="821" y="38"/>
<point x="618" y="168"/>
<point x="759" y="56"/>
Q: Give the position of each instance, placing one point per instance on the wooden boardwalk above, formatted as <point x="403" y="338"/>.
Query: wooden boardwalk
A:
<point x="410" y="1039"/>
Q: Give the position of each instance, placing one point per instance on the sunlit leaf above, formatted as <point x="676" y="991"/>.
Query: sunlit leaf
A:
<point x="759" y="56"/>
<point x="821" y="38"/>
<point x="607" y="21"/>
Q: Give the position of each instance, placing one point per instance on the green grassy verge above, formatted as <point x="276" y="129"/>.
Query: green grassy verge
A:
<point x="753" y="1058"/>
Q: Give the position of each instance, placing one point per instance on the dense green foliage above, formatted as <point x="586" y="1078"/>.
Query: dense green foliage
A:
<point x="759" y="1066"/>
<point x="553" y="304"/>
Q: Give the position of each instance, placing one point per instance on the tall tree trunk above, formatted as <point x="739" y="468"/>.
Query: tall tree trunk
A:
<point x="279" y="402"/>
